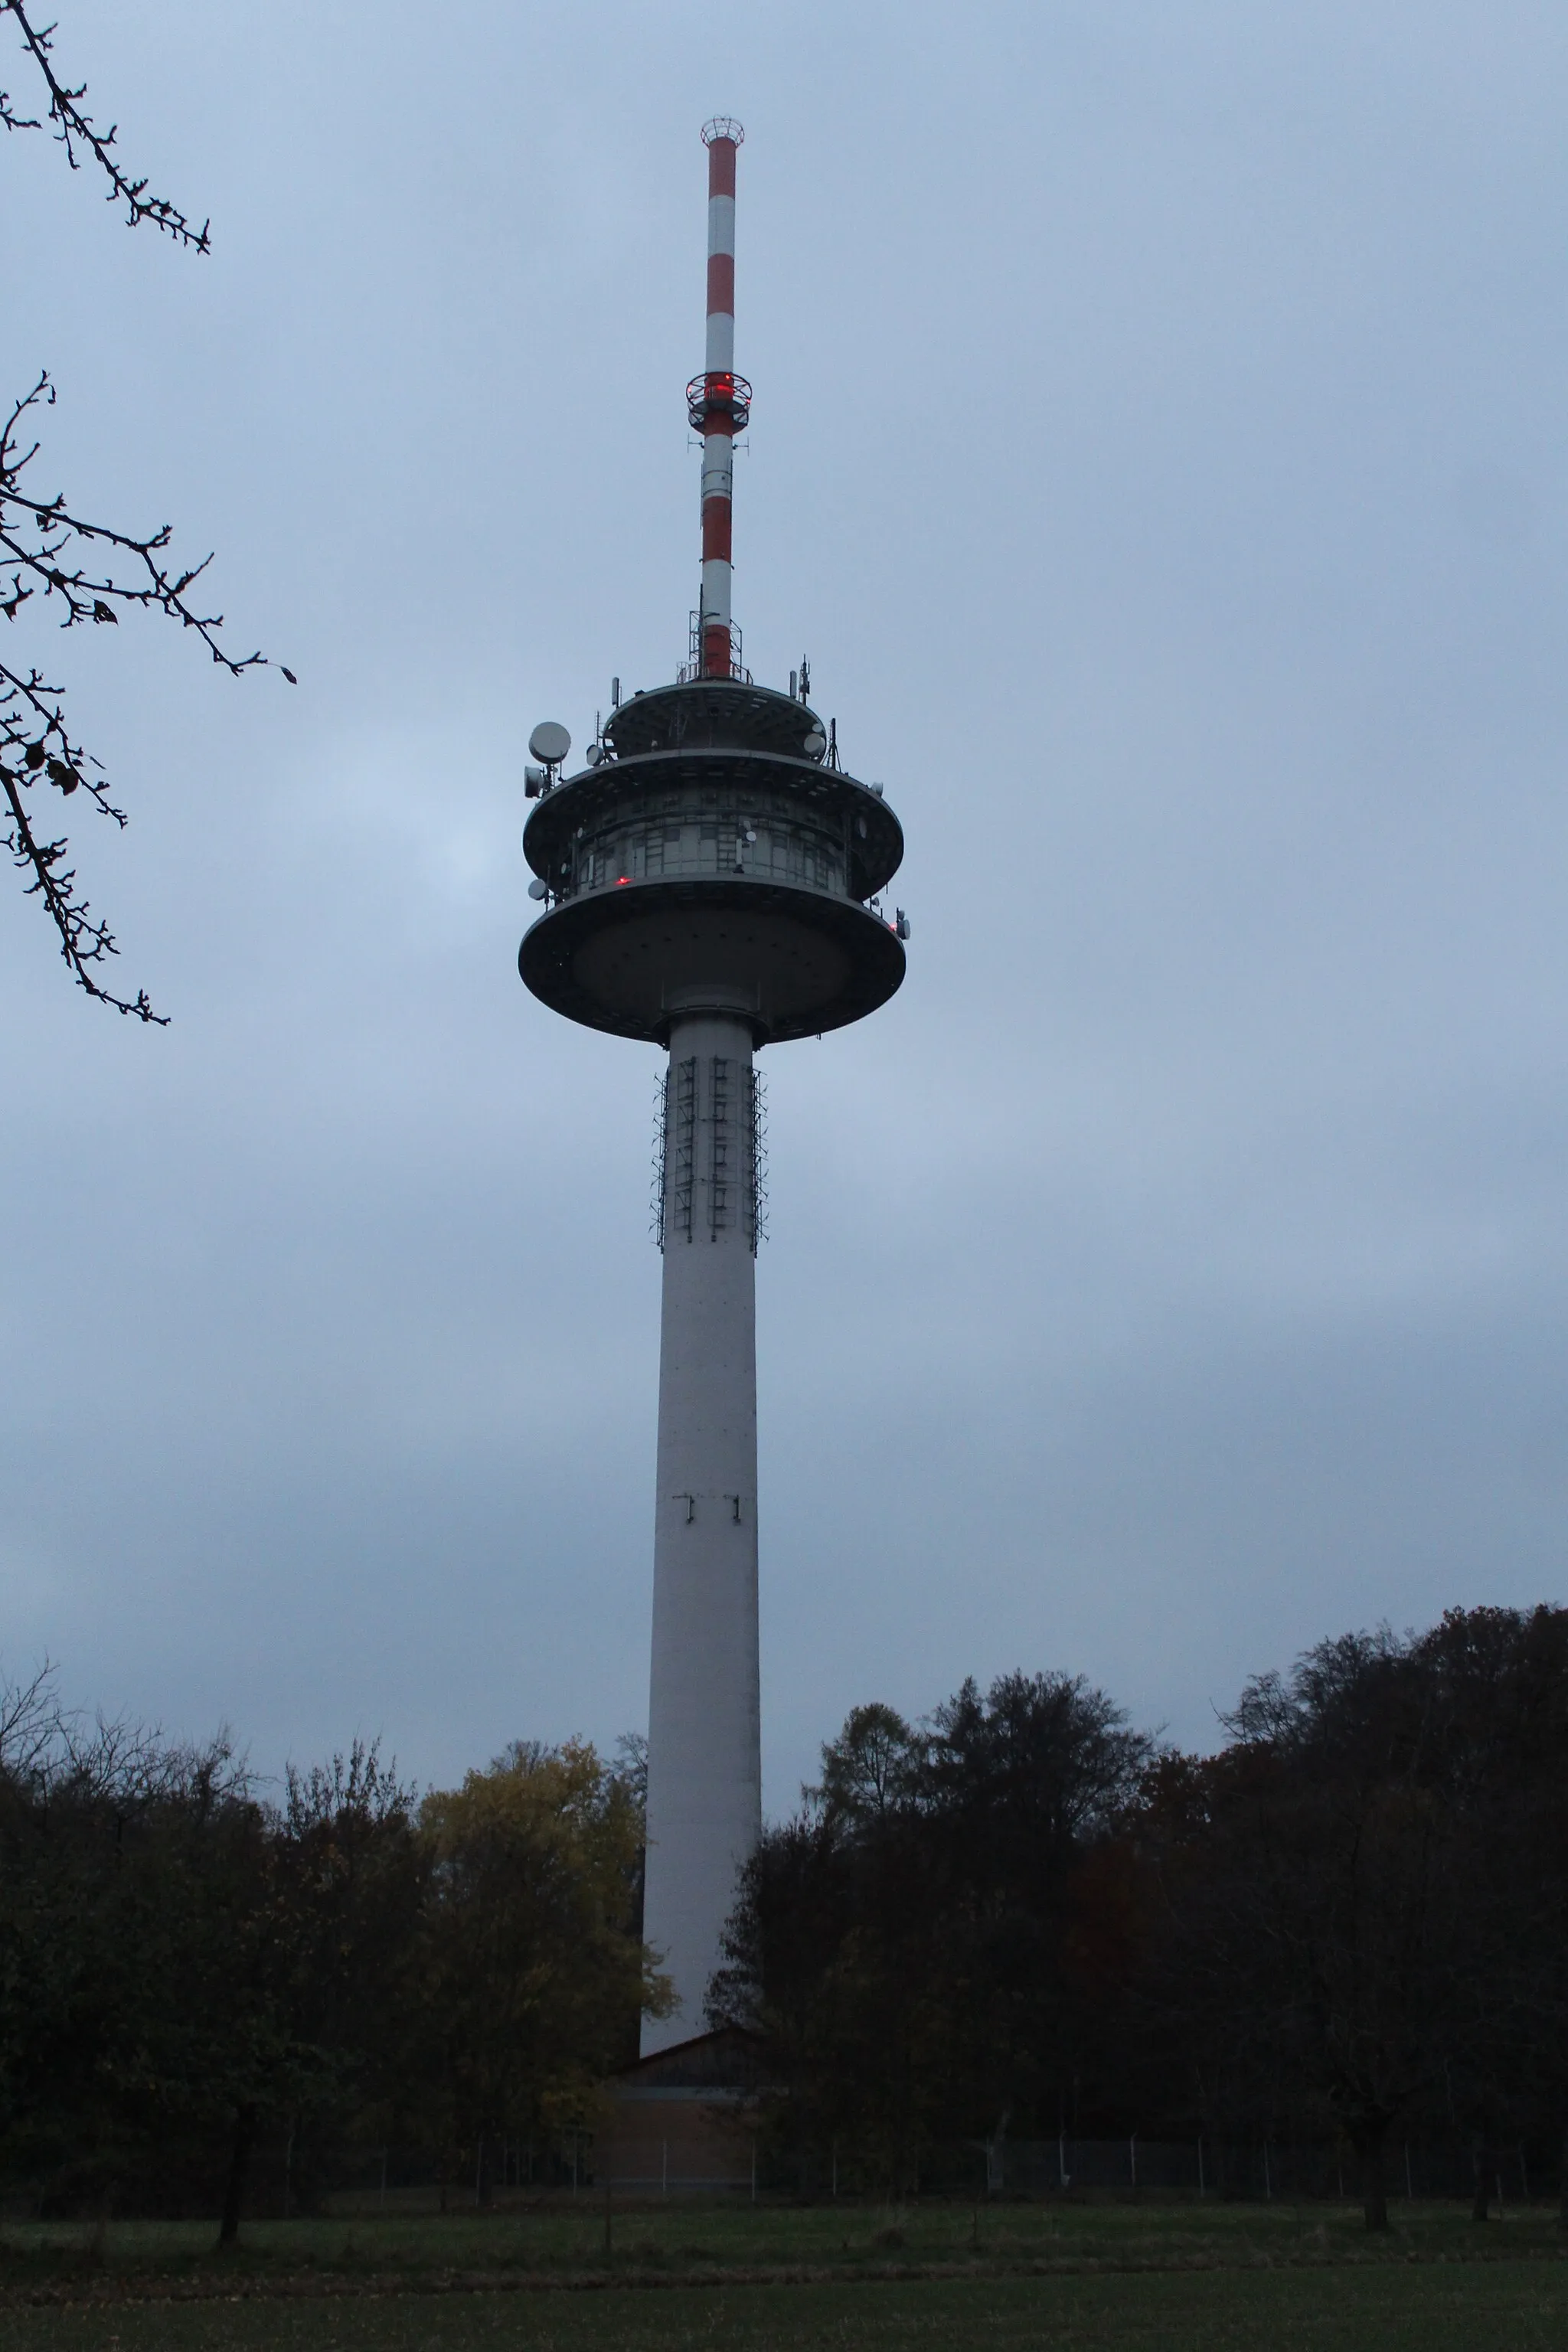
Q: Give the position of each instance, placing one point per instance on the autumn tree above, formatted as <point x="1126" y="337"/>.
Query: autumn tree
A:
<point x="535" y="1975"/>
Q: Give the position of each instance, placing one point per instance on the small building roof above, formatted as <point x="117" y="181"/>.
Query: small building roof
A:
<point x="727" y="2059"/>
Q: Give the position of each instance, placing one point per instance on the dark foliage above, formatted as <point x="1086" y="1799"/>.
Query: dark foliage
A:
<point x="1362" y="1896"/>
<point x="1020" y="1916"/>
<point x="911" y="1947"/>
<point x="186" y="1968"/>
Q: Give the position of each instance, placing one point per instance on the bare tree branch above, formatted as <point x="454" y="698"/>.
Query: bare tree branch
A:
<point x="91" y="571"/>
<point x="44" y="550"/>
<point x="30" y="1723"/>
<point x="79" y="136"/>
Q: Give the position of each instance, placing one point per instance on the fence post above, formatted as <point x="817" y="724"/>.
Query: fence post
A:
<point x="1201" y="2189"/>
<point x="754" y="2169"/>
<point x="1409" y="2188"/>
<point x="664" y="2167"/>
<point x="1132" y="2157"/>
<point x="1268" y="2181"/>
<point x="384" y="2179"/>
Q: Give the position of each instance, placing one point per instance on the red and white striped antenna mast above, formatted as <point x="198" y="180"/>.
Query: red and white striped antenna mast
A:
<point x="718" y="403"/>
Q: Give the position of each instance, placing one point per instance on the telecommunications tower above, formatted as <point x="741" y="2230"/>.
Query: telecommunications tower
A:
<point x="711" y="881"/>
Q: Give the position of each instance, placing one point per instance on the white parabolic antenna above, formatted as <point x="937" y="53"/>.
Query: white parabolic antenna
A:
<point x="550" y="741"/>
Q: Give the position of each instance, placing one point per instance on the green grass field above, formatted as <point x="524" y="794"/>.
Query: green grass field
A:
<point x="1502" y="2306"/>
<point x="1141" y="2278"/>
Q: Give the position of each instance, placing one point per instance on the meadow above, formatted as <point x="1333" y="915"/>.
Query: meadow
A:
<point x="1228" y="2278"/>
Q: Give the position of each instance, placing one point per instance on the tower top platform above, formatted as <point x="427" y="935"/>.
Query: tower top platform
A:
<point x="712" y="857"/>
<point x="715" y="713"/>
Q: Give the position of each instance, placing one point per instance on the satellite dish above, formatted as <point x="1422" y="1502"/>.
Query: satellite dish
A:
<point x="550" y="742"/>
<point x="538" y="888"/>
<point x="814" y="744"/>
<point x="595" y="753"/>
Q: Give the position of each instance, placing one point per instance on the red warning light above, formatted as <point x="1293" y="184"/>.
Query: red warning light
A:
<point x="720" y="400"/>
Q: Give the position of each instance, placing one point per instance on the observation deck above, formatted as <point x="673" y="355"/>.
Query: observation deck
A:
<point x="714" y="858"/>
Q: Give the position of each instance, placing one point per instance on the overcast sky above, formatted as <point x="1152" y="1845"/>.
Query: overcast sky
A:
<point x="1161" y="450"/>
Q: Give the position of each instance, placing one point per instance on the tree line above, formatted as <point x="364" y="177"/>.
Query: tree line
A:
<point x="186" y="1965"/>
<point x="1020" y="1916"/>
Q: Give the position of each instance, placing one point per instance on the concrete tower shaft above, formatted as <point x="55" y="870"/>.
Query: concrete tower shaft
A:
<point x="704" y="1783"/>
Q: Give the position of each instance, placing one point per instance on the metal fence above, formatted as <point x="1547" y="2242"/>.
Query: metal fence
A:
<point x="1260" y="2169"/>
<point x="288" y="2179"/>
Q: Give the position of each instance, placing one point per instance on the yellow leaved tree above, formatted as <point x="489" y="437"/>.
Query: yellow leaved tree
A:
<point x="536" y="1977"/>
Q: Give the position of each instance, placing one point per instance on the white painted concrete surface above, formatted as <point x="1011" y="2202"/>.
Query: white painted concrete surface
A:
<point x="704" y="1798"/>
